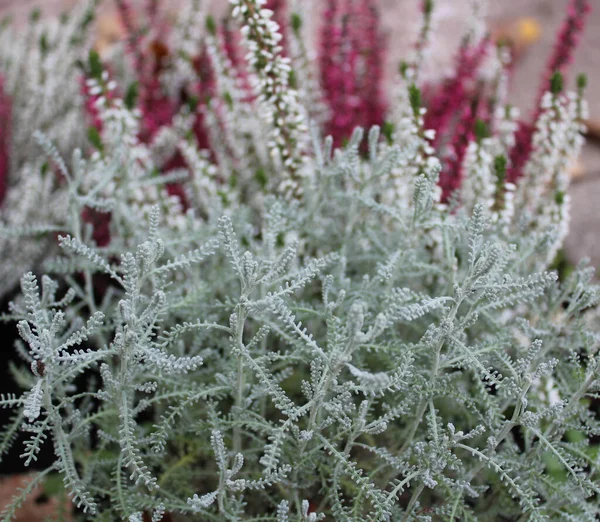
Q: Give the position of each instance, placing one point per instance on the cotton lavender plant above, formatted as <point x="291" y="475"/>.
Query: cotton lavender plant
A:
<point x="242" y="320"/>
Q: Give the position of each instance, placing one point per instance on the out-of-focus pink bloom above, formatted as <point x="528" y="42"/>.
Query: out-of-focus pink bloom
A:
<point x="566" y="43"/>
<point x="340" y="89"/>
<point x="157" y="111"/>
<point x="521" y="151"/>
<point x="156" y="107"/>
<point x="152" y="10"/>
<point x="149" y="54"/>
<point x="456" y="92"/>
<point x="231" y="43"/>
<point x="204" y="90"/>
<point x="329" y="58"/>
<point x="371" y="45"/>
<point x="100" y="222"/>
<point x="351" y="57"/>
<point x="5" y="123"/>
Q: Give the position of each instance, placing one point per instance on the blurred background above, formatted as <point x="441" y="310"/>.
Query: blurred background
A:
<point x="531" y="26"/>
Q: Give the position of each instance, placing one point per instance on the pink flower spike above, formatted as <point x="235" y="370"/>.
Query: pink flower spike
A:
<point x="454" y="93"/>
<point x="521" y="151"/>
<point x="351" y="60"/>
<point x="372" y="48"/>
<point x="567" y="41"/>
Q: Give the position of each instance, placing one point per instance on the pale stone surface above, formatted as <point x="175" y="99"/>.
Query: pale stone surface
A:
<point x="583" y="239"/>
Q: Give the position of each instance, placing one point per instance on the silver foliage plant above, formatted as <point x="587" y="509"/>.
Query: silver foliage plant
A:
<point x="342" y="347"/>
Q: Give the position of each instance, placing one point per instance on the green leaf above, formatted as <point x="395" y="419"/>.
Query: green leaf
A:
<point x="131" y="95"/>
<point x="481" y="130"/>
<point x="54" y="485"/>
<point x="500" y="169"/>
<point x="211" y="26"/>
<point x="35" y="15"/>
<point x="261" y="177"/>
<point x="95" y="139"/>
<point x="95" y="64"/>
<point x="414" y="95"/>
<point x="427" y="7"/>
<point x="556" y="83"/>
<point x="44" y="43"/>
<point x="296" y="22"/>
<point x="388" y="129"/>
<point x="403" y="68"/>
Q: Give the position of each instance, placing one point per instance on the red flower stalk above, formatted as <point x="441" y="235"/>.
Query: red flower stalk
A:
<point x="149" y="55"/>
<point x="455" y="92"/>
<point x="351" y="61"/>
<point x="567" y="41"/>
<point x="346" y="106"/>
<point x="230" y="40"/>
<point x="157" y="108"/>
<point x="372" y="92"/>
<point x="204" y="90"/>
<point x="521" y="151"/>
<point x="157" y="111"/>
<point x="152" y="10"/>
<point x="331" y="65"/>
<point x="330" y="39"/>
<point x="100" y="222"/>
<point x="5" y="117"/>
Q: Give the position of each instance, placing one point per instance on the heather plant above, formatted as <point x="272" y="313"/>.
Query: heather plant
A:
<point x="240" y="320"/>
<point x="39" y="90"/>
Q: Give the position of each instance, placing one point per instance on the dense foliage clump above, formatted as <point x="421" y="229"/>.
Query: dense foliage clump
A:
<point x="241" y="320"/>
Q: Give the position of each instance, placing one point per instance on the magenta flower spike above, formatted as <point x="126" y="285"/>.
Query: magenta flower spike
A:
<point x="371" y="45"/>
<point x="329" y="54"/>
<point x="567" y="41"/>
<point x="351" y="60"/>
<point x="455" y="92"/>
